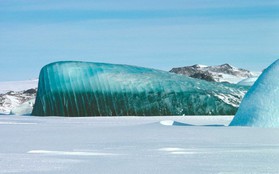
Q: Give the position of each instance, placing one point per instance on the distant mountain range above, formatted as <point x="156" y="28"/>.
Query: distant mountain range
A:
<point x="16" y="94"/>
<point x="220" y="73"/>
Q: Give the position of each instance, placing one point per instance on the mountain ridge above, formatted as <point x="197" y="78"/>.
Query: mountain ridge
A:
<point x="218" y="73"/>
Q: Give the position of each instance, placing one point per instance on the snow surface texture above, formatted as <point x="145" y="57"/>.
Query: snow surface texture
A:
<point x="135" y="145"/>
<point x="259" y="108"/>
<point x="99" y="89"/>
<point x="219" y="73"/>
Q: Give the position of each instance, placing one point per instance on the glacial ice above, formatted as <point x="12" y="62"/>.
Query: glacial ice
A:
<point x="73" y="88"/>
<point x="248" y="82"/>
<point x="23" y="109"/>
<point x="260" y="106"/>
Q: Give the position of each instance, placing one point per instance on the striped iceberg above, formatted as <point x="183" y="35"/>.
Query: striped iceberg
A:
<point x="73" y="88"/>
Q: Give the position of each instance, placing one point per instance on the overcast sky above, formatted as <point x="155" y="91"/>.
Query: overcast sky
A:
<point x="158" y="34"/>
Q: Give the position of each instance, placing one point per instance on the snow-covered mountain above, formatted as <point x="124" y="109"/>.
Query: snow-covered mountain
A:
<point x="219" y="73"/>
<point x="17" y="96"/>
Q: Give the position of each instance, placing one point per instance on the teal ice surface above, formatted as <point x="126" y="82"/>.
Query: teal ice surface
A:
<point x="98" y="89"/>
<point x="259" y="107"/>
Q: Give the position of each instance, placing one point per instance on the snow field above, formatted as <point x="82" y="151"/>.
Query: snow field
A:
<point x="135" y="145"/>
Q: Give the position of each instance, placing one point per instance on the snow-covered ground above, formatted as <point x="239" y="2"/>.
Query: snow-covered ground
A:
<point x="141" y="145"/>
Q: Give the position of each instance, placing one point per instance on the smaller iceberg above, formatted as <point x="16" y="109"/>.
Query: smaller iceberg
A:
<point x="248" y="82"/>
<point x="260" y="106"/>
<point x="23" y="109"/>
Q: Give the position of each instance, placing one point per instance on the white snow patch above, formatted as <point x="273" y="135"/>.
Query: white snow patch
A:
<point x="182" y="153"/>
<point x="173" y="123"/>
<point x="14" y="123"/>
<point x="179" y="151"/>
<point x="167" y="122"/>
<point x="201" y="66"/>
<point x="70" y="153"/>
<point x="171" y="149"/>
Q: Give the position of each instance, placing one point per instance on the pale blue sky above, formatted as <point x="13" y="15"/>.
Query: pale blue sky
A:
<point x="158" y="34"/>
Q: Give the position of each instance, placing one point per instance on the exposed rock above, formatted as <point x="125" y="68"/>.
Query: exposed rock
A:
<point x="220" y="73"/>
